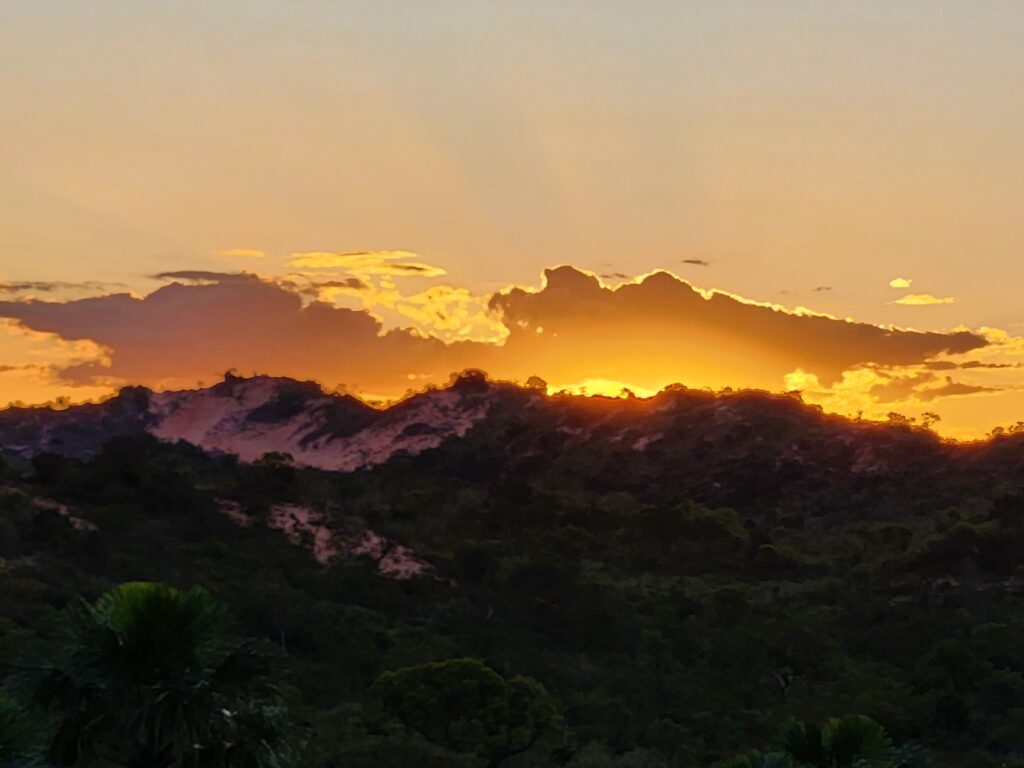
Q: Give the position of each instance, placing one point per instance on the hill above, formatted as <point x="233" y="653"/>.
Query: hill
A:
<point x="681" y="573"/>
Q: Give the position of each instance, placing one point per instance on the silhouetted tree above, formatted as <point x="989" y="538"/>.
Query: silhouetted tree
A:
<point x="150" y="677"/>
<point x="466" y="707"/>
<point x="20" y="737"/>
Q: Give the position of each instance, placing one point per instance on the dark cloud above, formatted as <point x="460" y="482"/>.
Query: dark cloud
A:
<point x="696" y="262"/>
<point x="182" y="333"/>
<point x="648" y="334"/>
<point x="203" y="276"/>
<point x="922" y="387"/>
<point x="952" y="388"/>
<point x="663" y="329"/>
<point x="822" y="288"/>
<point x="978" y="364"/>
<point x="315" y="288"/>
<point x="948" y="365"/>
<point x="50" y="286"/>
<point x="615" y="276"/>
<point x="353" y="283"/>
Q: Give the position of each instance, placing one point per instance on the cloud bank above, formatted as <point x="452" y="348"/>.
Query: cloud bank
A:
<point x="648" y="333"/>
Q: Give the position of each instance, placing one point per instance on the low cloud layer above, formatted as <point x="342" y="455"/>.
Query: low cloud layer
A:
<point x="647" y="333"/>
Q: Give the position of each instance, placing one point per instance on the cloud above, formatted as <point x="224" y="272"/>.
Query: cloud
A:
<point x="654" y="331"/>
<point x="978" y="364"/>
<point x="900" y="282"/>
<point x="696" y="262"/>
<point x="822" y="288"/>
<point x="348" y="283"/>
<point x="663" y="329"/>
<point x="922" y="387"/>
<point x="204" y="276"/>
<point x="30" y="285"/>
<point x="367" y="263"/>
<point x="33" y="364"/>
<point x="924" y="300"/>
<point x="952" y="389"/>
<point x="949" y="365"/>
<point x="52" y="286"/>
<point x="242" y="253"/>
<point x="184" y="333"/>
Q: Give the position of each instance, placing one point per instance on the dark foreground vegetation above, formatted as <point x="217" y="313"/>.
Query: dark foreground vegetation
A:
<point x="578" y="613"/>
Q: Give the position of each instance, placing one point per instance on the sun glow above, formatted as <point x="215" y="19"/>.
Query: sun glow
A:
<point x="602" y="388"/>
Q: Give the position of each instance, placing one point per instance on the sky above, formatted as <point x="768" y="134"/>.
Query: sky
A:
<point x="806" y="196"/>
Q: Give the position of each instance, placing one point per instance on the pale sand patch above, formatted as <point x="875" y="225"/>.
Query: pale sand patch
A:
<point x="306" y="527"/>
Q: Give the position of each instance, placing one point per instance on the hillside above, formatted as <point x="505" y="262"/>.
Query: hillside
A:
<point x="732" y="449"/>
<point x="681" y="573"/>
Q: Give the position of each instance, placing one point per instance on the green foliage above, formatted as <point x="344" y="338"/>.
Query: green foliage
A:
<point x="20" y="736"/>
<point x="848" y="742"/>
<point x="755" y="759"/>
<point x="464" y="706"/>
<point x="149" y="676"/>
<point x="678" y="601"/>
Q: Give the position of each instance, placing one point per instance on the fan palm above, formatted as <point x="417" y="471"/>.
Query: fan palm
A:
<point x="149" y="677"/>
<point x="847" y="742"/>
<point x="757" y="759"/>
<point x="19" y="736"/>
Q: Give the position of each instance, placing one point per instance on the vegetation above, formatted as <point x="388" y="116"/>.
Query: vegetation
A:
<point x="149" y="677"/>
<point x="590" y="605"/>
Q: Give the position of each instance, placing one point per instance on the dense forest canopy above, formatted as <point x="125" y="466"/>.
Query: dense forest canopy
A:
<point x="753" y="571"/>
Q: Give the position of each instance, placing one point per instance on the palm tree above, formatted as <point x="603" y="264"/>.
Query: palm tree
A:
<point x="846" y="742"/>
<point x="150" y="677"/>
<point x="19" y="736"/>
<point x="757" y="759"/>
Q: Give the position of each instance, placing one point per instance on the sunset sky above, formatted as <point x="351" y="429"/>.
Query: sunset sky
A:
<point x="788" y="195"/>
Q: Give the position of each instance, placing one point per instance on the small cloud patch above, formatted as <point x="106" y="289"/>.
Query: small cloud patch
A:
<point x="924" y="300"/>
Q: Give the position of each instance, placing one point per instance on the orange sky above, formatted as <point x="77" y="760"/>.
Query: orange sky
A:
<point x="798" y="154"/>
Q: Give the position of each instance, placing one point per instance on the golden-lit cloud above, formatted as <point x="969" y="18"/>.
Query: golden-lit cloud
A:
<point x="374" y="336"/>
<point x="662" y="329"/>
<point x="184" y="333"/>
<point x="924" y="300"/>
<point x="452" y="314"/>
<point x="32" y="364"/>
<point x="651" y="332"/>
<point x="401" y="263"/>
<point x="371" y="279"/>
<point x="900" y="282"/>
<point x="242" y="253"/>
<point x="203" y="276"/>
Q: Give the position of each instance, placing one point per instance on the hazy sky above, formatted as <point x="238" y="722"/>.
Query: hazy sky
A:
<point x="809" y="152"/>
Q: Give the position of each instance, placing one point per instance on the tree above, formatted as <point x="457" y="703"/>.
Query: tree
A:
<point x="20" y="737"/>
<point x="536" y="382"/>
<point x="757" y="759"/>
<point x="848" y="742"/>
<point x="466" y="707"/>
<point x="149" y="677"/>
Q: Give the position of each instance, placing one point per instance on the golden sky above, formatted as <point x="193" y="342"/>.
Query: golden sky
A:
<point x="860" y="160"/>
